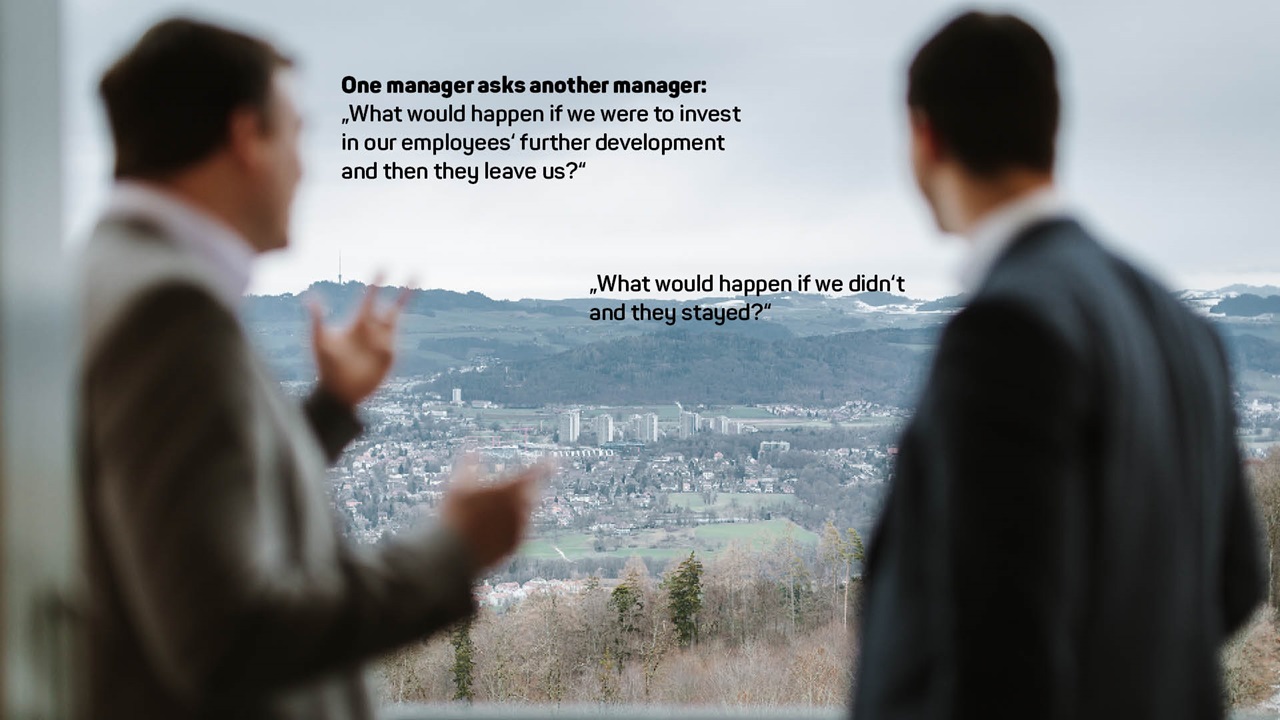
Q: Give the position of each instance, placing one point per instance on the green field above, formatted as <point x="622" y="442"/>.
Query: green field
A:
<point x="705" y="539"/>
<point x="727" y="502"/>
<point x="573" y="545"/>
<point x="757" y="534"/>
<point x="671" y="413"/>
<point x="663" y="553"/>
<point x="507" y="416"/>
<point x="665" y="413"/>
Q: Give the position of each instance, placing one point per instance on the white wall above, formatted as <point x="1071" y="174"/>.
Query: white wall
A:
<point x="37" y="510"/>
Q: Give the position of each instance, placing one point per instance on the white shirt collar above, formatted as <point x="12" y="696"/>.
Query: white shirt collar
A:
<point x="996" y="230"/>
<point x="225" y="251"/>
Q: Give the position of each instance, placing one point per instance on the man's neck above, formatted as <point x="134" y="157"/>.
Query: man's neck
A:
<point x="978" y="199"/>
<point x="992" y="231"/>
<point x="207" y="194"/>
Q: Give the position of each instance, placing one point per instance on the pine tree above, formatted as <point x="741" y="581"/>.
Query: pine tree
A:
<point x="464" y="663"/>
<point x="684" y="594"/>
<point x="626" y="601"/>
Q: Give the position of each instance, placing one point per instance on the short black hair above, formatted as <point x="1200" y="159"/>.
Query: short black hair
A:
<point x="987" y="85"/>
<point x="170" y="97"/>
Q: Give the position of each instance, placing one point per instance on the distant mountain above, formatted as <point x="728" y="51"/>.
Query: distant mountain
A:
<point x="876" y="298"/>
<point x="260" y="308"/>
<point x="567" y="322"/>
<point x="1259" y="290"/>
<point x="804" y="348"/>
<point x="884" y="366"/>
<point x="793" y="310"/>
<point x="942" y="304"/>
<point x="1247" y="305"/>
<point x="442" y="329"/>
<point x="708" y="367"/>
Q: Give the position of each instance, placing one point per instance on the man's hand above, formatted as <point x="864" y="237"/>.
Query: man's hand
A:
<point x="491" y="518"/>
<point x="352" y="361"/>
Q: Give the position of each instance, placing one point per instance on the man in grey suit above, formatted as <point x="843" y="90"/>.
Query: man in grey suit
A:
<point x="1069" y="533"/>
<point x="220" y="585"/>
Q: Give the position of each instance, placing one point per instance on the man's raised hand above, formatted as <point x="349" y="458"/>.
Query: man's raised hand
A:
<point x="352" y="361"/>
<point x="491" y="518"/>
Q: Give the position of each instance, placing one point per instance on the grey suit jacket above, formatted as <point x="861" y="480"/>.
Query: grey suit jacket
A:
<point x="219" y="584"/>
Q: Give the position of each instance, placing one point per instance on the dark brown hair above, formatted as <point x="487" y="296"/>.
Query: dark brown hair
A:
<point x="170" y="97"/>
<point x="987" y="85"/>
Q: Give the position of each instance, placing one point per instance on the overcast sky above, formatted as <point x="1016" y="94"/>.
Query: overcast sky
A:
<point x="1169" y="146"/>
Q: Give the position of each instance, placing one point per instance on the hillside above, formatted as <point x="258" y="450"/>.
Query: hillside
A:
<point x="1248" y="305"/>
<point x="806" y="349"/>
<point x="707" y="367"/>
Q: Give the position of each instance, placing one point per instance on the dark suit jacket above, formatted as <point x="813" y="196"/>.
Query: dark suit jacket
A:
<point x="219" y="584"/>
<point x="1069" y="534"/>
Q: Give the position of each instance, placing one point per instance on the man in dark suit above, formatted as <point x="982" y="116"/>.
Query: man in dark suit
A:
<point x="1069" y="534"/>
<point x="220" y="586"/>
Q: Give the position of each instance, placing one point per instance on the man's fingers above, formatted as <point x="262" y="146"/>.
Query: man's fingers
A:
<point x="466" y="470"/>
<point x="402" y="299"/>
<point x="370" y="297"/>
<point x="539" y="473"/>
<point x="530" y="482"/>
<point x="316" y="310"/>
<point x="406" y="293"/>
<point x="523" y="487"/>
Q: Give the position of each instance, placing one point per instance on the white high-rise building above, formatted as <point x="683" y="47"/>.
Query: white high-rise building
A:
<point x="603" y="427"/>
<point x="457" y="396"/>
<point x="688" y="424"/>
<point x="721" y="425"/>
<point x="644" y="428"/>
<point x="570" y="426"/>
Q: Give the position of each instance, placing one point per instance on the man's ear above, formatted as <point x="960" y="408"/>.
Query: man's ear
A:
<point x="245" y="132"/>
<point x="925" y="137"/>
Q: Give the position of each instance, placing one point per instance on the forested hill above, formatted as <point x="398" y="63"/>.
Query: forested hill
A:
<point x="1248" y="305"/>
<point x="807" y="349"/>
<point x="716" y="368"/>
